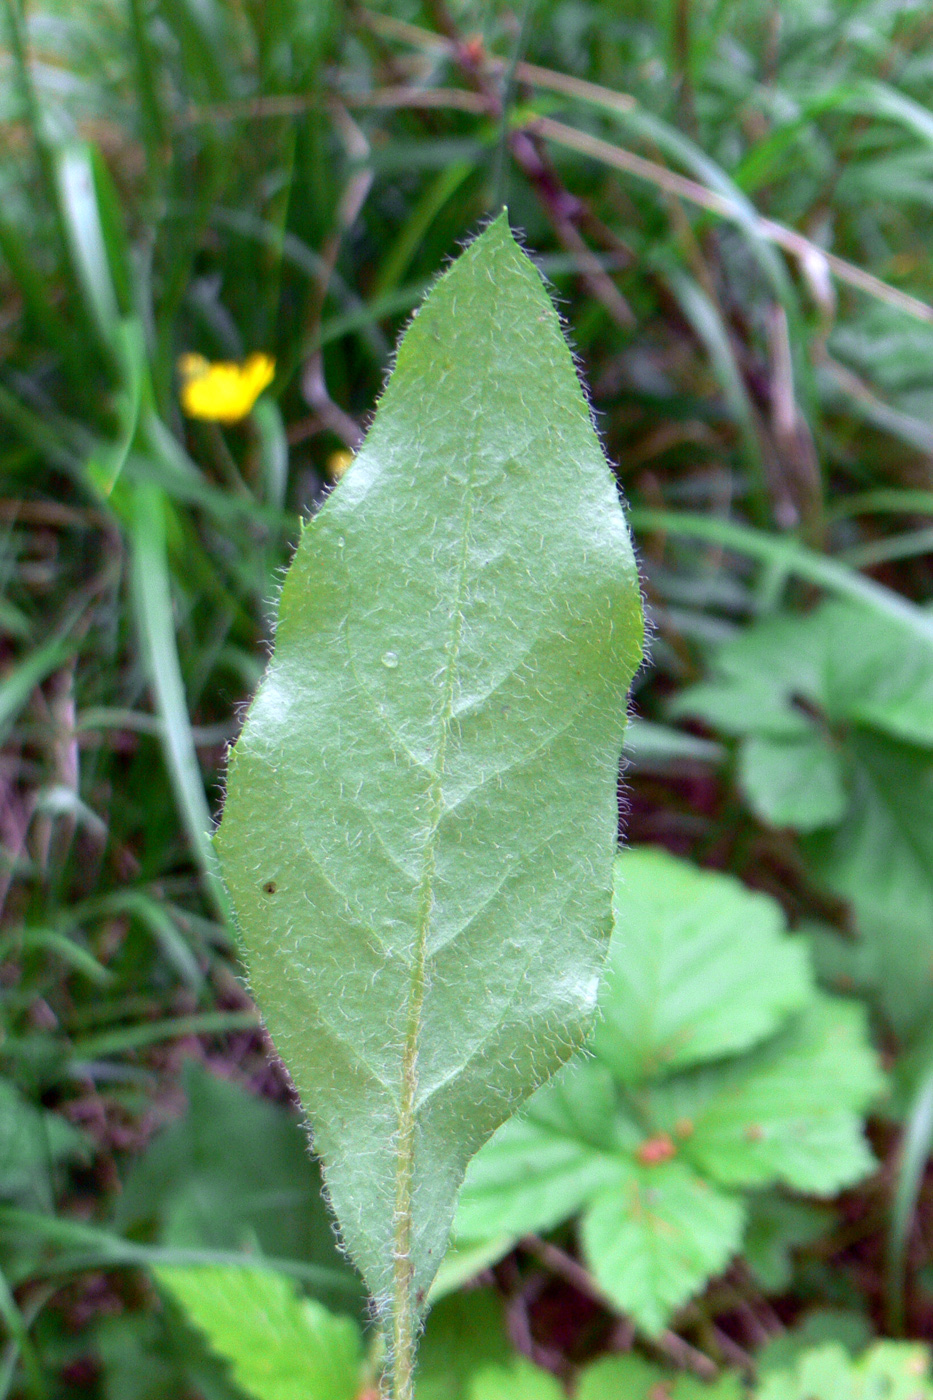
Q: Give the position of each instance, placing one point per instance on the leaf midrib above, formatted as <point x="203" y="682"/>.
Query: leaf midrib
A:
<point x="404" y="1178"/>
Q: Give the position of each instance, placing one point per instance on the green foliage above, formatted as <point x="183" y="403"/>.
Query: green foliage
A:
<point x="232" y="1174"/>
<point x="455" y="640"/>
<point x="886" y="1371"/>
<point x="279" y="1346"/>
<point x="649" y="1144"/>
<point x="463" y="1334"/>
<point x="633" y="1378"/>
<point x="851" y="1330"/>
<point x="32" y="1145"/>
<point x="776" y="1227"/>
<point x="226" y="176"/>
<point x="282" y="1347"/>
<point x="834" y="715"/>
<point x="700" y="969"/>
<point x="520" y="1379"/>
<point x="158" y="1356"/>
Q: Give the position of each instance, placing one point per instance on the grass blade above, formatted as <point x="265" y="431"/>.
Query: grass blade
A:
<point x="21" y="1345"/>
<point x="152" y="600"/>
<point x="915" y="1149"/>
<point x="795" y="558"/>
<point x="710" y="329"/>
<point x="19" y="683"/>
<point x="74" y="172"/>
<point x="104" y="1249"/>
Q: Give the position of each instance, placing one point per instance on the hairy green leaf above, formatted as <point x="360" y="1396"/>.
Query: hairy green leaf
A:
<point x="421" y="810"/>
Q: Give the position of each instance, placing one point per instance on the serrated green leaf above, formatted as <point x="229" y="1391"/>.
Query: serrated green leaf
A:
<point x="753" y="678"/>
<point x="633" y="1378"/>
<point x="775" y="1228"/>
<point x="894" y="1370"/>
<point x="462" y="1334"/>
<point x="421" y="809"/>
<point x="32" y="1142"/>
<point x="700" y="967"/>
<point x="652" y="1234"/>
<point x="846" y="1327"/>
<point x="850" y="663"/>
<point x="790" y="1112"/>
<point x="880" y="858"/>
<point x="726" y="1387"/>
<point x="520" y="1380"/>
<point x="279" y="1345"/>
<point x="619" y="1378"/>
<point x="877" y="675"/>
<point x="541" y="1168"/>
<point x="842" y="690"/>
<point x="796" y="782"/>
<point x="654" y="1239"/>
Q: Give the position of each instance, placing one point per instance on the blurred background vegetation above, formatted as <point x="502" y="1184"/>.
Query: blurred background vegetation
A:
<point x="732" y="200"/>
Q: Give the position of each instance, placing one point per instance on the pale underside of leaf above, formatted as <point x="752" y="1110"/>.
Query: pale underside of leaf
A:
<point x="421" y="811"/>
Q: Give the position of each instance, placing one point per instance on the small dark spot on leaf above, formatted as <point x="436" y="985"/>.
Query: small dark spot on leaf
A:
<point x="419" y="1297"/>
<point x="270" y="887"/>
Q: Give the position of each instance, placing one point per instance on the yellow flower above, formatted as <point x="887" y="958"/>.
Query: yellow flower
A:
<point x="223" y="392"/>
<point x="338" y="462"/>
